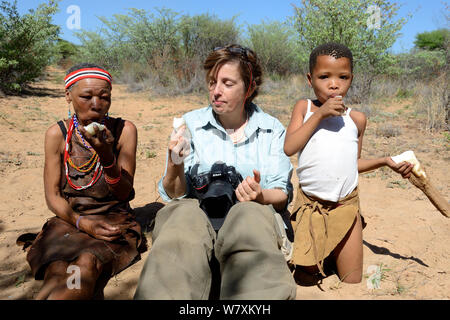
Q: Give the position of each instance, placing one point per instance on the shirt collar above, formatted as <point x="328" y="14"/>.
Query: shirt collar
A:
<point x="255" y="122"/>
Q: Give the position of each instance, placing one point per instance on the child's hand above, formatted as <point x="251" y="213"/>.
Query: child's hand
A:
<point x="404" y="168"/>
<point x="332" y="107"/>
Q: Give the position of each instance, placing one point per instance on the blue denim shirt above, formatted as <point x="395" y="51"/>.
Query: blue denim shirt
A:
<point x="262" y="149"/>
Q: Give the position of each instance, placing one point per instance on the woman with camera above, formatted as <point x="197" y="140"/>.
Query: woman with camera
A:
<point x="200" y="249"/>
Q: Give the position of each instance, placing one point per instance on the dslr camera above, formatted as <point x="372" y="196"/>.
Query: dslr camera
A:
<point x="215" y="190"/>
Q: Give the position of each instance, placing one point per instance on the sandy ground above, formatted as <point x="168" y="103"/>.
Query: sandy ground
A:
<point x="406" y="236"/>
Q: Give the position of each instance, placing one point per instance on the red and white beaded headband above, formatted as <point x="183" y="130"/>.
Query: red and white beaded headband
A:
<point x="84" y="73"/>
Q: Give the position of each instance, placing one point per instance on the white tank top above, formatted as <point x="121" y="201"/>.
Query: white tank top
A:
<point x="328" y="164"/>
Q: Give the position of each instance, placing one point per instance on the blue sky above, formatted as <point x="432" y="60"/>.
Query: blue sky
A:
<point x="427" y="15"/>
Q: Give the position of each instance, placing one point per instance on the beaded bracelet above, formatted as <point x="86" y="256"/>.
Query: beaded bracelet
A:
<point x="111" y="165"/>
<point x="112" y="181"/>
<point x="77" y="224"/>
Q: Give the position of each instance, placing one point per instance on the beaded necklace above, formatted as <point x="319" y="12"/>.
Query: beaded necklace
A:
<point x="75" y="121"/>
<point x="98" y="166"/>
<point x="85" y="167"/>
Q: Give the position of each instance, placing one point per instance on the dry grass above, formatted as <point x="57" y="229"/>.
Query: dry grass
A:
<point x="433" y="100"/>
<point x="388" y="130"/>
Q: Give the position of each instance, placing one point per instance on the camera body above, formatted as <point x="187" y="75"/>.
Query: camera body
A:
<point x="215" y="190"/>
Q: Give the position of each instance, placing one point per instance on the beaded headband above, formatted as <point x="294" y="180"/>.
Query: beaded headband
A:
<point x="84" y="73"/>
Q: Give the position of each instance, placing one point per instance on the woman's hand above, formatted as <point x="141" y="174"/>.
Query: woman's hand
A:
<point x="102" y="142"/>
<point x="179" y="147"/>
<point x="100" y="228"/>
<point x="174" y="181"/>
<point x="250" y="189"/>
<point x="404" y="168"/>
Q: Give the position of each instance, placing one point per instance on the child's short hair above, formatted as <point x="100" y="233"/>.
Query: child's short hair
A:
<point x="332" y="49"/>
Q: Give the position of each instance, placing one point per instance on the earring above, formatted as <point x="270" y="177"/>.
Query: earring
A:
<point x="68" y="111"/>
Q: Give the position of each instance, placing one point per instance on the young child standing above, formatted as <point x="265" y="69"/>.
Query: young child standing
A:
<point x="328" y="137"/>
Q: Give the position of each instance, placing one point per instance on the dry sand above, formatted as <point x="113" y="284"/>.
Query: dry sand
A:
<point x="405" y="234"/>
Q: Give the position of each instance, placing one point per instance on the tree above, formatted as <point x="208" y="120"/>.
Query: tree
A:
<point x="420" y="65"/>
<point x="139" y="38"/>
<point x="66" y="50"/>
<point x="160" y="48"/>
<point x="432" y="40"/>
<point x="276" y="47"/>
<point x="202" y="33"/>
<point x="367" y="27"/>
<point x="27" y="43"/>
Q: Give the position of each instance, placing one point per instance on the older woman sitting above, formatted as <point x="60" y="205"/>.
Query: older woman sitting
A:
<point x="88" y="180"/>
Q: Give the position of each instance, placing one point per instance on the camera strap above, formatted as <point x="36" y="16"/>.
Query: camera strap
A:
<point x="194" y="169"/>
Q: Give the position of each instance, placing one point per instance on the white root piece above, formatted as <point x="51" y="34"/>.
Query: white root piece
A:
<point x="178" y="123"/>
<point x="90" y="127"/>
<point x="420" y="179"/>
<point x="410" y="157"/>
<point x="343" y="113"/>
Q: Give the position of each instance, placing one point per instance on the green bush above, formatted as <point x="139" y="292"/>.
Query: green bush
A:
<point x="27" y="44"/>
<point x="404" y="93"/>
<point x="276" y="46"/>
<point x="160" y="50"/>
<point x="199" y="35"/>
<point x="417" y="65"/>
<point x="65" y="52"/>
<point x="202" y="33"/>
<point x="432" y="40"/>
<point x="66" y="49"/>
<point x="346" y="22"/>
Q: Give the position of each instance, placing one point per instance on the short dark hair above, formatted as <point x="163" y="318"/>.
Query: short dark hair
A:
<point x="249" y="66"/>
<point x="332" y="49"/>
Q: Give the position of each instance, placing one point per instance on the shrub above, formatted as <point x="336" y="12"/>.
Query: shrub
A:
<point x="388" y="131"/>
<point x="27" y="44"/>
<point x="417" y="65"/>
<point x="202" y="33"/>
<point x="432" y="40"/>
<point x="161" y="50"/>
<point x="65" y="52"/>
<point x="434" y="101"/>
<point x="276" y="46"/>
<point x="346" y="22"/>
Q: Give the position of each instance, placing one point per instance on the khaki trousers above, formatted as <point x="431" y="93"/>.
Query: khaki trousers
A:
<point x="189" y="261"/>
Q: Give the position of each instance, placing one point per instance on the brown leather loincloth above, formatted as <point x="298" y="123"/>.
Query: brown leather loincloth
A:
<point x="319" y="226"/>
<point x="60" y="240"/>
